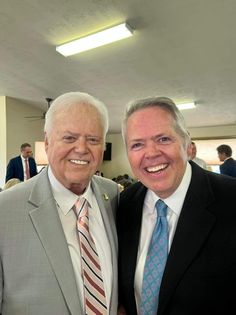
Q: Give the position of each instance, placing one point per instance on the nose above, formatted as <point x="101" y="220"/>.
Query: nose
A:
<point x="152" y="150"/>
<point x="81" y="146"/>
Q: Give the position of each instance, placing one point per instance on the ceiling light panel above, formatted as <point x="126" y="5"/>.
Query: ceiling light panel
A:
<point x="186" y="106"/>
<point x="101" y="38"/>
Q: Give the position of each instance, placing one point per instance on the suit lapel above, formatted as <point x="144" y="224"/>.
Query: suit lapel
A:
<point x="107" y="213"/>
<point x="129" y="226"/>
<point x="134" y="210"/>
<point x="46" y="221"/>
<point x="193" y="227"/>
<point x="20" y="169"/>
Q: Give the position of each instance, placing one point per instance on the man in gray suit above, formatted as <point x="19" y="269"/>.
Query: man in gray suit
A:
<point x="42" y="263"/>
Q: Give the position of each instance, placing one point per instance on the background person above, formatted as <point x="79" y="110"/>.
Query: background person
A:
<point x="194" y="157"/>
<point x="11" y="182"/>
<point x="43" y="248"/>
<point x="22" y="166"/>
<point x="229" y="164"/>
<point x="194" y="271"/>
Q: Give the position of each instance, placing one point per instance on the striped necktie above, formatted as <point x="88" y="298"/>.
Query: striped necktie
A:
<point x="155" y="263"/>
<point x="94" y="293"/>
<point x="27" y="171"/>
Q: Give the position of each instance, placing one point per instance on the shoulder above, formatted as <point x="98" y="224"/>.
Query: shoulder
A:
<point x="133" y="192"/>
<point x="104" y="184"/>
<point x="15" y="159"/>
<point x="206" y="184"/>
<point x="223" y="186"/>
<point x="15" y="195"/>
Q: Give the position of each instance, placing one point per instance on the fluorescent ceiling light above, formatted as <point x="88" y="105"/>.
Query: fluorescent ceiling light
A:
<point x="95" y="40"/>
<point x="186" y="106"/>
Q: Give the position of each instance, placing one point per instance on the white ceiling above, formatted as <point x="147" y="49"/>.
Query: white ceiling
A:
<point x="183" y="49"/>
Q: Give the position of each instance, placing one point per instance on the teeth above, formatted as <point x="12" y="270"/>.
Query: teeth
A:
<point x="81" y="162"/>
<point x="156" y="168"/>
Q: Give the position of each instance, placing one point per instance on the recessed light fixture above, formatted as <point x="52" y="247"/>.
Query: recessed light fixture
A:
<point x="186" y="106"/>
<point x="101" y="38"/>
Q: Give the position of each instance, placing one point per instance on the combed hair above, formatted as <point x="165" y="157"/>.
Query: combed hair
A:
<point x="71" y="99"/>
<point x="224" y="148"/>
<point x="162" y="102"/>
<point x="25" y="145"/>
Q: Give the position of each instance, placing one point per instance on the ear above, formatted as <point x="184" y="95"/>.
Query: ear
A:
<point x="189" y="149"/>
<point x="46" y="141"/>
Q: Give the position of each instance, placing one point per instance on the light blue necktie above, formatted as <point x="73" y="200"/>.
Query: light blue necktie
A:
<point x="155" y="263"/>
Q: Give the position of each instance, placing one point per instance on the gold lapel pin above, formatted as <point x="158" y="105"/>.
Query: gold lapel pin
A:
<point x="105" y="196"/>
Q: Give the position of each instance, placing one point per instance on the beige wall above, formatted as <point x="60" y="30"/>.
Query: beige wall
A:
<point x="16" y="129"/>
<point x="214" y="132"/>
<point x="19" y="128"/>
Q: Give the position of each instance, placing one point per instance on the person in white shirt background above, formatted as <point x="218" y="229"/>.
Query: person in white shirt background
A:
<point x="194" y="157"/>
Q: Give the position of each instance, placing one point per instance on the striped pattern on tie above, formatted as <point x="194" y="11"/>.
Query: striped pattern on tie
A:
<point x="94" y="293"/>
<point x="27" y="171"/>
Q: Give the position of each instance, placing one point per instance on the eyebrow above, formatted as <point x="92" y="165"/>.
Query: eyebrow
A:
<point x="152" y="137"/>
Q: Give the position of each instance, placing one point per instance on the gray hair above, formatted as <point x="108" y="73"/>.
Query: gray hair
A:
<point x="162" y="102"/>
<point x="70" y="99"/>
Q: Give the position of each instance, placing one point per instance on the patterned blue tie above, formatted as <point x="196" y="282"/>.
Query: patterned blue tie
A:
<point x="155" y="263"/>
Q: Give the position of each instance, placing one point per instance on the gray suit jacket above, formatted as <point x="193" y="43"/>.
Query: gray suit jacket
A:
<point x="36" y="272"/>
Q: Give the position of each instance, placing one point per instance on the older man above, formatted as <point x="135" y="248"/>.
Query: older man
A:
<point x="58" y="246"/>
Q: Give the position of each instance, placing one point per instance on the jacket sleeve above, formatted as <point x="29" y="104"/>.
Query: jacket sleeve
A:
<point x="10" y="171"/>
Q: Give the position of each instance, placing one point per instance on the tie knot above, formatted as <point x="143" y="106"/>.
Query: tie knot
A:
<point x="161" y="208"/>
<point x="80" y="207"/>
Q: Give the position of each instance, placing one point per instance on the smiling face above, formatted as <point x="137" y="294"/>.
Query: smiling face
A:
<point x="156" y="152"/>
<point x="75" y="146"/>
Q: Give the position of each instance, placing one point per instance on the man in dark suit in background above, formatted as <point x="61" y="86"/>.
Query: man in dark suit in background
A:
<point x="225" y="155"/>
<point x="199" y="263"/>
<point x="23" y="166"/>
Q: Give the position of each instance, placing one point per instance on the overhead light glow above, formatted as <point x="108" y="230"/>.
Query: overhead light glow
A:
<point x="95" y="40"/>
<point x="186" y="106"/>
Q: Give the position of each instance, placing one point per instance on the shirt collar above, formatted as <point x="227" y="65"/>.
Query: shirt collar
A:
<point x="176" y="200"/>
<point x="65" y="198"/>
<point x="23" y="158"/>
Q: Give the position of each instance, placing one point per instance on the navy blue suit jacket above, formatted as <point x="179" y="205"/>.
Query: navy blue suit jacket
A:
<point x="200" y="272"/>
<point x="228" y="167"/>
<point x="15" y="168"/>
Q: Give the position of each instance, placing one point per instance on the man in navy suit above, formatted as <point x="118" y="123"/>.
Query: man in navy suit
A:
<point x="200" y="271"/>
<point x="22" y="166"/>
<point x="225" y="155"/>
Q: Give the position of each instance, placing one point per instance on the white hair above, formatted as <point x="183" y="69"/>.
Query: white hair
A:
<point x="70" y="99"/>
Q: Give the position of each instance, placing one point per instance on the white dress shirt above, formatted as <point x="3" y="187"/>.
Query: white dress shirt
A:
<point x="65" y="200"/>
<point x="174" y="203"/>
<point x="24" y="167"/>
